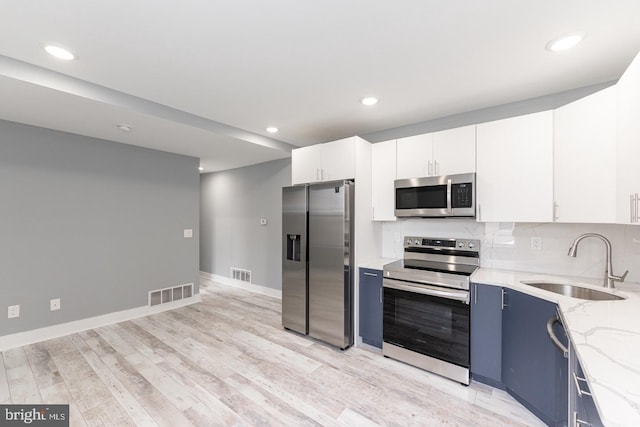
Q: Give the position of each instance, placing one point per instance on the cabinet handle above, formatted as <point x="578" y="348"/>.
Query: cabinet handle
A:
<point x="552" y="320"/>
<point x="475" y="294"/>
<point x="317" y="174"/>
<point x="633" y="205"/>
<point x="436" y="168"/>
<point x="370" y="274"/>
<point x="429" y="168"/>
<point x="580" y="391"/>
<point x="380" y="295"/>
<point x="479" y="213"/>
<point x="577" y="422"/>
<point x="555" y="211"/>
<point x="502" y="299"/>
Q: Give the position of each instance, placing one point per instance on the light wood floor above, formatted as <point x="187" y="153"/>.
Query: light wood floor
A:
<point x="227" y="361"/>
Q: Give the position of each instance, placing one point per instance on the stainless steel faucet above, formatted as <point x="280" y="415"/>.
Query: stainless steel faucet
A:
<point x="609" y="277"/>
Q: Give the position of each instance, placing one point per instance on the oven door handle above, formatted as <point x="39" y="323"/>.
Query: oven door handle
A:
<point x="427" y="290"/>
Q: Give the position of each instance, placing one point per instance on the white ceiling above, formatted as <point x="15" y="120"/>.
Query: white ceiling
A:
<point x="205" y="78"/>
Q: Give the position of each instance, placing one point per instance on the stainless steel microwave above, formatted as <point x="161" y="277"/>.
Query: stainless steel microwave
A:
<point x="436" y="196"/>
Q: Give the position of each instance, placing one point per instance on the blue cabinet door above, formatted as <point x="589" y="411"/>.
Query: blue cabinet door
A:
<point x="370" y="317"/>
<point x="486" y="334"/>
<point x="534" y="371"/>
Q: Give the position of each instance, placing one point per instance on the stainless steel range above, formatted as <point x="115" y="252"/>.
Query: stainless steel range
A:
<point x="426" y="305"/>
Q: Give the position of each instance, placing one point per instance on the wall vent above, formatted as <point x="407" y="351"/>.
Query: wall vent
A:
<point x="240" y="274"/>
<point x="163" y="296"/>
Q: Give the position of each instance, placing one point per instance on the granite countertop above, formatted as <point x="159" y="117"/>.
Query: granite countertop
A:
<point x="605" y="335"/>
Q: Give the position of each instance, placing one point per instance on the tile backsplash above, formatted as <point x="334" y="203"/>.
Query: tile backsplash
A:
<point x="508" y="245"/>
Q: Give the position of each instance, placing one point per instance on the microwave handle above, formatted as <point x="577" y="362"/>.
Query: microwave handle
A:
<point x="449" y="207"/>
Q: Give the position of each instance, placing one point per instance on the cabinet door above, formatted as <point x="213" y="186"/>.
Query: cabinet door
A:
<point x="454" y="151"/>
<point x="585" y="159"/>
<point x="628" y="146"/>
<point x="306" y="164"/>
<point x="370" y="308"/>
<point x="339" y="159"/>
<point x="486" y="334"/>
<point x="533" y="369"/>
<point x="515" y="169"/>
<point x="383" y="175"/>
<point x="415" y="156"/>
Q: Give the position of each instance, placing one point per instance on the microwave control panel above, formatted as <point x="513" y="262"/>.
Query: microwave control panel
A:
<point x="462" y="195"/>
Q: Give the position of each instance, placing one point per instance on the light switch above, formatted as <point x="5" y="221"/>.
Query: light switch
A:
<point x="188" y="233"/>
<point x="13" y="311"/>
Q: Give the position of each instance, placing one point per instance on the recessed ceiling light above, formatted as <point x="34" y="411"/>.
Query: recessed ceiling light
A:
<point x="59" y="52"/>
<point x="200" y="168"/>
<point x="272" y="129"/>
<point x="124" y="128"/>
<point x="369" y="100"/>
<point x="565" y="42"/>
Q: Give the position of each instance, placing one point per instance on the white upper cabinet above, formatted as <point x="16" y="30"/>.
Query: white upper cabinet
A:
<point x="628" y="144"/>
<point x="306" y="163"/>
<point x="383" y="175"/>
<point x="454" y="151"/>
<point x="339" y="159"/>
<point x="585" y="159"/>
<point x="324" y="162"/>
<point x="440" y="153"/>
<point x="415" y="156"/>
<point x="515" y="169"/>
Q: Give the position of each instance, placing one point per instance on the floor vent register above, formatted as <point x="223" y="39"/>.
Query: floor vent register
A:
<point x="163" y="296"/>
<point x="240" y="274"/>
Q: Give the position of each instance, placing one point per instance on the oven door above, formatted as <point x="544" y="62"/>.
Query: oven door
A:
<point x="427" y="320"/>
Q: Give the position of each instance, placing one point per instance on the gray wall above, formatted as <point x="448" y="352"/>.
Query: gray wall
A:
<point x="95" y="223"/>
<point x="231" y="205"/>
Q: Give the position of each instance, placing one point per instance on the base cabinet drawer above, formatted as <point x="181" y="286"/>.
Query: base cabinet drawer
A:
<point x="582" y="408"/>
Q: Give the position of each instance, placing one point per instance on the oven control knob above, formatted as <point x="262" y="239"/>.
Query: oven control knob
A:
<point x="461" y="244"/>
<point x="471" y="245"/>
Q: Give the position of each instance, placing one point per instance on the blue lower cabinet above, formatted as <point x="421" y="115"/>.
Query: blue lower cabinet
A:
<point x="511" y="350"/>
<point x="486" y="334"/>
<point x="534" y="370"/>
<point x="582" y="408"/>
<point x="370" y="306"/>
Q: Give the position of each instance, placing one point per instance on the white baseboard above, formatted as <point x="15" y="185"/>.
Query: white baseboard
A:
<point x="264" y="290"/>
<point x="42" y="334"/>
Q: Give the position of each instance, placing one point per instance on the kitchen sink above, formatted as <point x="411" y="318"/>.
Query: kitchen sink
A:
<point x="574" y="291"/>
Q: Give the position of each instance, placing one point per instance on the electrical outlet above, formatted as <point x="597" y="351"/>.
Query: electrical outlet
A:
<point x="13" y="311"/>
<point x="188" y="233"/>
<point x="263" y="221"/>
<point x="54" y="304"/>
<point x="536" y="243"/>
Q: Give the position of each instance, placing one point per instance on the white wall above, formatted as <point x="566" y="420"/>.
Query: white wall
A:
<point x="508" y="245"/>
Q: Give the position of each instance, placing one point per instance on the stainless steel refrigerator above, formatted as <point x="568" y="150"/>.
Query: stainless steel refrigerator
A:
<point x="317" y="261"/>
